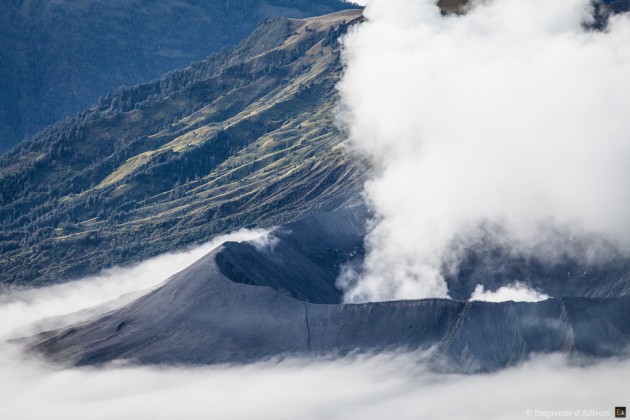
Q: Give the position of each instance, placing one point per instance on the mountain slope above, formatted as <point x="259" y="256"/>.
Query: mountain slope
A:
<point x="246" y="137"/>
<point x="57" y="57"/>
<point x="213" y="313"/>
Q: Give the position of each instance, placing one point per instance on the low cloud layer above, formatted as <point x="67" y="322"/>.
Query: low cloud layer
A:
<point x="29" y="311"/>
<point x="507" y="125"/>
<point x="394" y="385"/>
<point x="368" y="387"/>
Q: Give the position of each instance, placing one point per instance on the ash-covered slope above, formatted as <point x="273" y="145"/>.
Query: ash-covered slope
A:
<point x="300" y="259"/>
<point x="201" y="316"/>
<point x="565" y="277"/>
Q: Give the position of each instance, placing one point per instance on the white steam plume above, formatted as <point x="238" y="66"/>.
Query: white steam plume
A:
<point x="517" y="292"/>
<point x="509" y="122"/>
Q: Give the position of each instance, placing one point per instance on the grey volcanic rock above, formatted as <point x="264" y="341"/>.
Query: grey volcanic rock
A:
<point x="200" y="316"/>
<point x="494" y="267"/>
<point x="301" y="259"/>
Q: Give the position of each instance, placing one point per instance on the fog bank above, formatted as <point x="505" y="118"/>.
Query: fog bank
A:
<point x="368" y="387"/>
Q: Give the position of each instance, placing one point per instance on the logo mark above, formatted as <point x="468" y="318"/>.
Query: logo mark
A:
<point x="620" y="412"/>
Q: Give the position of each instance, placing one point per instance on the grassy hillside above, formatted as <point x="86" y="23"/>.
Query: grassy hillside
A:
<point x="247" y="137"/>
<point x="57" y="57"/>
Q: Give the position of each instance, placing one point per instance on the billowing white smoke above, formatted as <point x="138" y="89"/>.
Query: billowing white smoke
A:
<point x="509" y="123"/>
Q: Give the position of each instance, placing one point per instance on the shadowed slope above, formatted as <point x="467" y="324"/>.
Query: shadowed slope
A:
<point x="301" y="259"/>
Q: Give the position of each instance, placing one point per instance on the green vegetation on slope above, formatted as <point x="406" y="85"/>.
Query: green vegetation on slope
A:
<point x="245" y="138"/>
<point x="57" y="57"/>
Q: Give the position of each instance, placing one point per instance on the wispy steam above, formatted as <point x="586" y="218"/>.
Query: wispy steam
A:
<point x="507" y="124"/>
<point x="517" y="292"/>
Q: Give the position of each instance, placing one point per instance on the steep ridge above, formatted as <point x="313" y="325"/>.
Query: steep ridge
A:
<point x="57" y="57"/>
<point x="201" y="316"/>
<point x="247" y="137"/>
